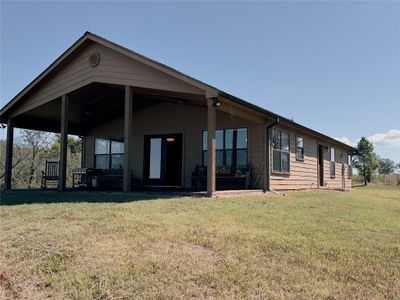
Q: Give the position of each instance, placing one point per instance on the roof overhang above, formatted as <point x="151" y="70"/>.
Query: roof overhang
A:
<point x="209" y="91"/>
<point x="283" y="120"/>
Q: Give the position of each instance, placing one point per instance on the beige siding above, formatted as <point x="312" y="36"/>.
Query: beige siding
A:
<point x="114" y="68"/>
<point x="340" y="180"/>
<point x="172" y="118"/>
<point x="304" y="174"/>
<point x="191" y="121"/>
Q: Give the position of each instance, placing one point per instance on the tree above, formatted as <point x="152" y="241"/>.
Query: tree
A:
<point x="36" y="145"/>
<point x="386" y="166"/>
<point x="31" y="149"/>
<point x="19" y="157"/>
<point x="365" y="161"/>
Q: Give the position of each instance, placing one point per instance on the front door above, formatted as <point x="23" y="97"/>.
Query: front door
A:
<point x="163" y="160"/>
<point x="321" y="165"/>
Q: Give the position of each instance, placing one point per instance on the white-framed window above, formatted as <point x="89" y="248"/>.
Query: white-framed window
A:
<point x="349" y="166"/>
<point x="299" y="148"/>
<point x="333" y="162"/>
<point x="280" y="151"/>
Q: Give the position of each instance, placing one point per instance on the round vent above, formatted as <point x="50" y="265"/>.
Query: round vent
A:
<point x="94" y="59"/>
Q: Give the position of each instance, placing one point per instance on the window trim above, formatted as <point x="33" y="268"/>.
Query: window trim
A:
<point x="297" y="158"/>
<point x="224" y="150"/>
<point x="272" y="153"/>
<point x="349" y="166"/>
<point x="109" y="154"/>
<point x="332" y="164"/>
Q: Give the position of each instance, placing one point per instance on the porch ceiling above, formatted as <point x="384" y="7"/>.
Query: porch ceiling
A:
<point x="94" y="104"/>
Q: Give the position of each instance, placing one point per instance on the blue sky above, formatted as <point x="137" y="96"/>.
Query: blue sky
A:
<point x="332" y="66"/>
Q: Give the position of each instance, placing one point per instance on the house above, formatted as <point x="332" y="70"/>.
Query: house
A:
<point x="152" y="126"/>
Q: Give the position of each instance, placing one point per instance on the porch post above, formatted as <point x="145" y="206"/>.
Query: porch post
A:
<point x="83" y="152"/>
<point x="63" y="143"/>
<point x="211" y="120"/>
<point x="266" y="159"/>
<point x="128" y="139"/>
<point x="9" y="154"/>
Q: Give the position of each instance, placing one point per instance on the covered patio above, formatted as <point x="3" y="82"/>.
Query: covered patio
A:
<point x="97" y="84"/>
<point x="83" y="109"/>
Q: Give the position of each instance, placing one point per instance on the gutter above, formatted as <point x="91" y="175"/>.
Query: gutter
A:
<point x="267" y="165"/>
<point x="283" y="119"/>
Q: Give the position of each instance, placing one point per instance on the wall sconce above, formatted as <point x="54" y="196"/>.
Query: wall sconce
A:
<point x="170" y="139"/>
<point x="216" y="103"/>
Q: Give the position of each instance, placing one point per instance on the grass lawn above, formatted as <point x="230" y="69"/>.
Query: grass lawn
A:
<point x="333" y="245"/>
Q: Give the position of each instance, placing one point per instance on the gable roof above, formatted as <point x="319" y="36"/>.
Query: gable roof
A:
<point x="209" y="90"/>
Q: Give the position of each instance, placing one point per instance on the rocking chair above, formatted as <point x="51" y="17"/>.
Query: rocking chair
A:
<point x="51" y="173"/>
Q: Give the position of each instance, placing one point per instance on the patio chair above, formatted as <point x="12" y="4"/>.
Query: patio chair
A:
<point x="51" y="173"/>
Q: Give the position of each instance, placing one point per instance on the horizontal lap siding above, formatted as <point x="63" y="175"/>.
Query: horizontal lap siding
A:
<point x="172" y="118"/>
<point x="303" y="174"/>
<point x="337" y="181"/>
<point x="113" y="68"/>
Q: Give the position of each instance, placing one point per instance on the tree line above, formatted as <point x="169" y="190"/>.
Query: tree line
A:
<point x="31" y="149"/>
<point x="368" y="163"/>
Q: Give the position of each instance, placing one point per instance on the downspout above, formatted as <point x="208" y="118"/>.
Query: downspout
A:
<point x="267" y="165"/>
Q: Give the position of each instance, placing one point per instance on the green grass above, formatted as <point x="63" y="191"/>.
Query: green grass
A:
<point x="332" y="245"/>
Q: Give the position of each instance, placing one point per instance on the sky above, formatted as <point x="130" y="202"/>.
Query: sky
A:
<point x="331" y="66"/>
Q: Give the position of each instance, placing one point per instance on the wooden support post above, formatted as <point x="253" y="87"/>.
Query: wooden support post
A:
<point x="266" y="159"/>
<point x="83" y="152"/>
<point x="128" y="138"/>
<point x="9" y="154"/>
<point x="267" y="167"/>
<point x="211" y="149"/>
<point x="63" y="143"/>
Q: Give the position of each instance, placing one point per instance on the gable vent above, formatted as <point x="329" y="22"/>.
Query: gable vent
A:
<point x="94" y="59"/>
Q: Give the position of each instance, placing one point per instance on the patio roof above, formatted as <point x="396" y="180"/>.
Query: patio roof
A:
<point x="208" y="90"/>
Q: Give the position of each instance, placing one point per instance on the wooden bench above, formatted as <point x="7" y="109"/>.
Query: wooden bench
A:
<point x="110" y="179"/>
<point x="227" y="177"/>
<point x="50" y="173"/>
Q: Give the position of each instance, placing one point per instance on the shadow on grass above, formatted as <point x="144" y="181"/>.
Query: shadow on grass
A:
<point x="15" y="197"/>
<point x="359" y="185"/>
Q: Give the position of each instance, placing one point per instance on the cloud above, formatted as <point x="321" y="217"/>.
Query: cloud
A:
<point x="391" y="138"/>
<point x="387" y="139"/>
<point x="345" y="140"/>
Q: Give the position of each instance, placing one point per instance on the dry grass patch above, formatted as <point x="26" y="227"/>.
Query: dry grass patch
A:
<point x="305" y="245"/>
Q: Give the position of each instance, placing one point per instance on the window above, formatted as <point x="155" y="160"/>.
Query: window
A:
<point x="231" y="147"/>
<point x="349" y="166"/>
<point x="281" y="151"/>
<point x="299" y="148"/>
<point x="333" y="165"/>
<point x="109" y="154"/>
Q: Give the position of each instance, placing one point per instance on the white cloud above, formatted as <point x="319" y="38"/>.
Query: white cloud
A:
<point x="387" y="139"/>
<point x="391" y="138"/>
<point x="345" y="140"/>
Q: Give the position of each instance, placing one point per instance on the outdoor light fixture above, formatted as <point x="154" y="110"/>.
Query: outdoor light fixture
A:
<point x="216" y="103"/>
<point x="170" y="139"/>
